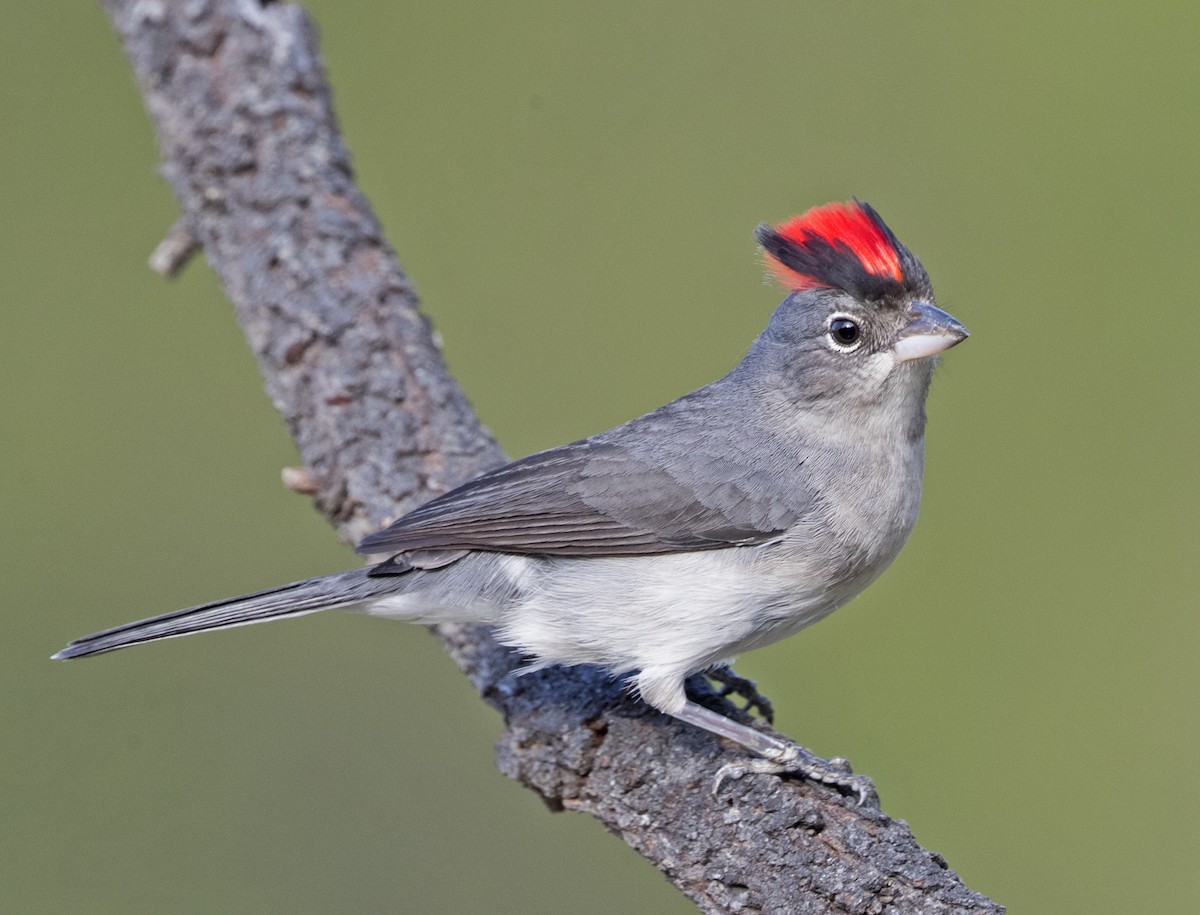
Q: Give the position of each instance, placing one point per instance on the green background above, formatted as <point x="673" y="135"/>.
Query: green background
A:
<point x="1022" y="684"/>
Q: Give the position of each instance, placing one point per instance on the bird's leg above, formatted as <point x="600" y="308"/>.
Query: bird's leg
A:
<point x="733" y="684"/>
<point x="779" y="756"/>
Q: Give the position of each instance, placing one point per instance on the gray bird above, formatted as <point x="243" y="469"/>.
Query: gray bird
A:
<point x="728" y="519"/>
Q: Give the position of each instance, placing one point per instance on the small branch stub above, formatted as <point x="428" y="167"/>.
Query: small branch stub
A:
<point x="298" y="479"/>
<point x="175" y="250"/>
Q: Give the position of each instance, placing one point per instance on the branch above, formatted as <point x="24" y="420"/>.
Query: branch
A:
<point x="242" y="107"/>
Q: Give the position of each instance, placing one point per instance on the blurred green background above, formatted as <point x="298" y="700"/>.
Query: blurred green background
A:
<point x="1022" y="684"/>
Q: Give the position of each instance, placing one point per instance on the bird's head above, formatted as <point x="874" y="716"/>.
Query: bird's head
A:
<point x="860" y="320"/>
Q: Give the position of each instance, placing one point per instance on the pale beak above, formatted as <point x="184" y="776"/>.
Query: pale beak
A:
<point x="929" y="332"/>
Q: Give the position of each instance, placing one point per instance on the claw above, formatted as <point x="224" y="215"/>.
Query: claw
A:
<point x="733" y="684"/>
<point x="795" y="760"/>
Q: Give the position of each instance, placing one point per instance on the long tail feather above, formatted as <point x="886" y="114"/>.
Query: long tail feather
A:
<point x="343" y="589"/>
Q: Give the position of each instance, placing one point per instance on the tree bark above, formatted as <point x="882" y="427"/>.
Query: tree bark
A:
<point x="242" y="107"/>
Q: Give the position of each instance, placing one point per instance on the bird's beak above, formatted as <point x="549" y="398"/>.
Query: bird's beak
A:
<point x="929" y="331"/>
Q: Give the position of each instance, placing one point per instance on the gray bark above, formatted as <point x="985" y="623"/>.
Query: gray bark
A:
<point x="242" y="108"/>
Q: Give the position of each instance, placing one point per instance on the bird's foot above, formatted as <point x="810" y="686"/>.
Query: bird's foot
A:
<point x="733" y="684"/>
<point x="793" y="759"/>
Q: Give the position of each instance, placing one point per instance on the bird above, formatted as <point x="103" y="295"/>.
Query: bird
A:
<point x="724" y="521"/>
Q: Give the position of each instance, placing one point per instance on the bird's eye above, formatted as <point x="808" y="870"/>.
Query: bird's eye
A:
<point x="844" y="333"/>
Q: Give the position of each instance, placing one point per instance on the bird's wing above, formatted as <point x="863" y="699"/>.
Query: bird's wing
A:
<point x="595" y="497"/>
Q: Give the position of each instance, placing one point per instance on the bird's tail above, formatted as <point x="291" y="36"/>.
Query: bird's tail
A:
<point x="342" y="589"/>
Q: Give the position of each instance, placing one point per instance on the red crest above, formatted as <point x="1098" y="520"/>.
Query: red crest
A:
<point x="838" y="245"/>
